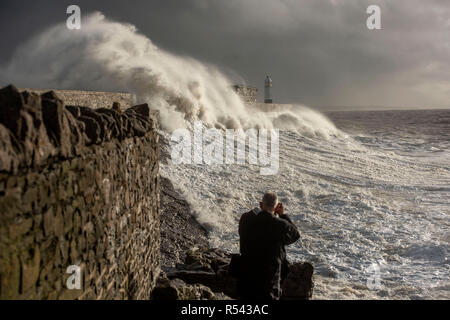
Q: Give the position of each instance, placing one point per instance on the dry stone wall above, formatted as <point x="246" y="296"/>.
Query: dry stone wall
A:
<point x="78" y="187"/>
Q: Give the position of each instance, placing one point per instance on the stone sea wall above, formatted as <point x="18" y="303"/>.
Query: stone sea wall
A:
<point x="91" y="99"/>
<point x="78" y="187"/>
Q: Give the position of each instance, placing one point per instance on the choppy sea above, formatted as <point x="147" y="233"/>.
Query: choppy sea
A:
<point x="372" y="203"/>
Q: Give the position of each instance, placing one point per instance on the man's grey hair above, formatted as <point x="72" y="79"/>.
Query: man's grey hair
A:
<point x="270" y="200"/>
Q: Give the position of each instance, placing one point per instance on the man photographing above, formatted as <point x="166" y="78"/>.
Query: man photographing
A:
<point x="263" y="237"/>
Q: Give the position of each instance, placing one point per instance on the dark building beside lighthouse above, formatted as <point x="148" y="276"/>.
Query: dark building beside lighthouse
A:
<point x="248" y="94"/>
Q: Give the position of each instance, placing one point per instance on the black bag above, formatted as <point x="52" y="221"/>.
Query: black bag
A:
<point x="285" y="269"/>
<point x="235" y="267"/>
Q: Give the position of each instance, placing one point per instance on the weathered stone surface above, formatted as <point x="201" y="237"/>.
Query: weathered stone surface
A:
<point x="9" y="160"/>
<point x="209" y="259"/>
<point x="178" y="290"/>
<point x="38" y="138"/>
<point x="92" y="99"/>
<point x="56" y="122"/>
<point x="143" y="110"/>
<point x="11" y="102"/>
<point x="179" y="229"/>
<point x="247" y="94"/>
<point x="67" y="196"/>
<point x="30" y="270"/>
<point x="116" y="107"/>
<point x="10" y="271"/>
<point x="34" y="128"/>
<point x="26" y="143"/>
<point x="208" y="267"/>
<point x="298" y="285"/>
<point x="20" y="227"/>
<point x="206" y="278"/>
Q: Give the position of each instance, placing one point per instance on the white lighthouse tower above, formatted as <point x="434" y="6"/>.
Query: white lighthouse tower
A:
<point x="268" y="90"/>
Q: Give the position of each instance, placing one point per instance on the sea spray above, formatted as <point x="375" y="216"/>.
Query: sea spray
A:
<point x="218" y="147"/>
<point x="355" y="201"/>
<point x="110" y="56"/>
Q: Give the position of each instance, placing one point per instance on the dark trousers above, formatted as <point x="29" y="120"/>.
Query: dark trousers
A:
<point x="259" y="289"/>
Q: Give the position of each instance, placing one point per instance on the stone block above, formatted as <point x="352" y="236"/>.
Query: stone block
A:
<point x="10" y="275"/>
<point x="20" y="227"/>
<point x="30" y="269"/>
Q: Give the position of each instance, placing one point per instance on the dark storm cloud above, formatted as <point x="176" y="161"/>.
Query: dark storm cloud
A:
<point x="318" y="52"/>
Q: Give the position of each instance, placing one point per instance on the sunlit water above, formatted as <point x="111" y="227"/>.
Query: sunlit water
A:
<point x="380" y="193"/>
<point x="375" y="191"/>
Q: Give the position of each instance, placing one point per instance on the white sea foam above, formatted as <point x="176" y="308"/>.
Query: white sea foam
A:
<point x="354" y="202"/>
<point x="111" y="56"/>
<point x="354" y="206"/>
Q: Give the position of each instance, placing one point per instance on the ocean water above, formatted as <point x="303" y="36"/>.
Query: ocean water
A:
<point x="371" y="201"/>
<point x="369" y="191"/>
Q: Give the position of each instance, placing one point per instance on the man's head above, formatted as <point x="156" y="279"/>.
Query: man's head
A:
<point x="269" y="202"/>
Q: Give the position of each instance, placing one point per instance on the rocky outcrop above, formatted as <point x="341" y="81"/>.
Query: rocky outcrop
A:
<point x="209" y="267"/>
<point x="179" y="229"/>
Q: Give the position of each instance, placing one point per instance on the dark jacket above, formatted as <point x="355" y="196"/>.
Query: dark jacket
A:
<point x="263" y="237"/>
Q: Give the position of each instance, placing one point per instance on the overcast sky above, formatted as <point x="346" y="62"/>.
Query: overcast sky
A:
<point x="318" y="52"/>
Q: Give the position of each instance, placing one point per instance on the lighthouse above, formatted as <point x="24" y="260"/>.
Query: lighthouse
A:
<point x="268" y="90"/>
